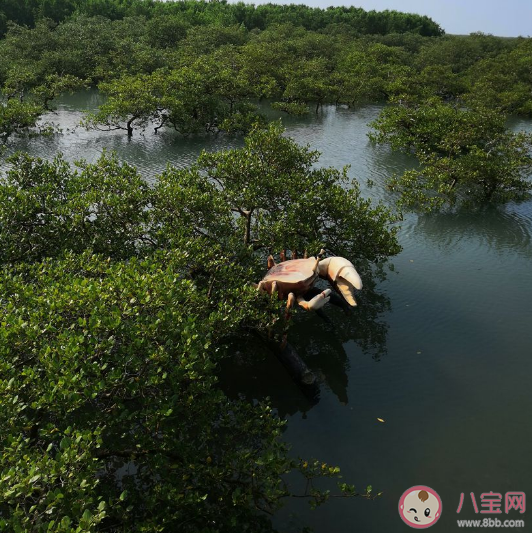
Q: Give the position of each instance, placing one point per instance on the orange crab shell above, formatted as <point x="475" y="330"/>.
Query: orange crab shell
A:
<point x="295" y="275"/>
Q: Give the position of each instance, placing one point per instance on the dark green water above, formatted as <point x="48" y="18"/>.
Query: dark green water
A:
<point x="442" y="352"/>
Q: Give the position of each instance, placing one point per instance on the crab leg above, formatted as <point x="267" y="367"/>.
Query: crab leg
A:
<point x="315" y="303"/>
<point x="289" y="304"/>
<point x="274" y="287"/>
<point x="318" y="261"/>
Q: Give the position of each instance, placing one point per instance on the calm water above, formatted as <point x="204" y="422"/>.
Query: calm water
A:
<point x="441" y="351"/>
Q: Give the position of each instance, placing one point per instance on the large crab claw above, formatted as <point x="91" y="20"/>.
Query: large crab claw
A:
<point x="342" y="274"/>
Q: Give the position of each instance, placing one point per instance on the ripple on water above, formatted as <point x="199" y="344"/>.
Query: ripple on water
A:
<point x="504" y="230"/>
<point x="150" y="153"/>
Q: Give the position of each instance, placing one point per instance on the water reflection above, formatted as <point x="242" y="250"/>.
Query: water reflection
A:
<point x="385" y="164"/>
<point x="257" y="374"/>
<point x="150" y="153"/>
<point x="505" y="230"/>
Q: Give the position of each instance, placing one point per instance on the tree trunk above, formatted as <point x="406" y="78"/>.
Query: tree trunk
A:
<point x="163" y="121"/>
<point x="247" y="236"/>
<point x="130" y="127"/>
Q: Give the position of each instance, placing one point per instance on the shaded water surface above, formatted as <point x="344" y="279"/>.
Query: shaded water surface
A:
<point x="441" y="350"/>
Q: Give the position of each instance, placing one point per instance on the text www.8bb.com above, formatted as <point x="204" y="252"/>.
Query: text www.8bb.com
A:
<point x="491" y="522"/>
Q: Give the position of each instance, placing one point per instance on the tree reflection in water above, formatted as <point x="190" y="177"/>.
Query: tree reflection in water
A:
<point x="500" y="228"/>
<point x="257" y="374"/>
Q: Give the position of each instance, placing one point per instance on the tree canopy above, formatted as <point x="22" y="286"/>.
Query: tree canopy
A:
<point x="199" y="12"/>
<point x="201" y="66"/>
<point x="466" y="155"/>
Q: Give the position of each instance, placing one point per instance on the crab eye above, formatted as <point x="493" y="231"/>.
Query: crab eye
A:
<point x="427" y="511"/>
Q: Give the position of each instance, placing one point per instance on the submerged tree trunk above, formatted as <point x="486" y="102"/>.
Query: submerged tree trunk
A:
<point x="161" y="124"/>
<point x="290" y="359"/>
<point x="129" y="126"/>
<point x="297" y="368"/>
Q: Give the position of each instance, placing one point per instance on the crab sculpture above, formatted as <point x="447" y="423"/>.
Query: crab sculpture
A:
<point x="293" y="280"/>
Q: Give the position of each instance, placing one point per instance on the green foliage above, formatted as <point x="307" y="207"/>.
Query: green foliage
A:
<point x="118" y="300"/>
<point x="209" y="95"/>
<point x="310" y="81"/>
<point x="467" y="156"/>
<point x="110" y="364"/>
<point x="114" y="420"/>
<point x="166" y="31"/>
<point x="460" y="52"/>
<point x="203" y="40"/>
<point x="242" y="120"/>
<point x="131" y="101"/>
<point x="504" y="81"/>
<point x="221" y="13"/>
<point x="54" y="86"/>
<point x="292" y="108"/>
<point x="369" y="74"/>
<point x="236" y="52"/>
<point x="190" y="100"/>
<point x="45" y="208"/>
<point x="268" y="195"/>
<point x="17" y="117"/>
